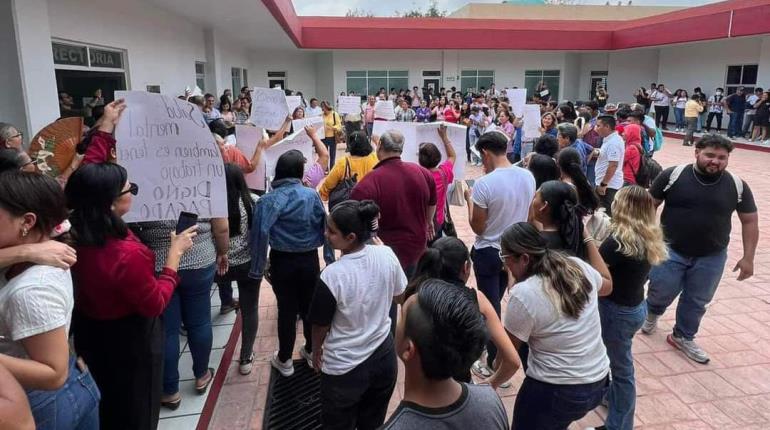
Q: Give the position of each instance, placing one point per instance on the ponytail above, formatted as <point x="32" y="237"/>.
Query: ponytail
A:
<point x="357" y="217"/>
<point x="569" y="164"/>
<point x="566" y="213"/>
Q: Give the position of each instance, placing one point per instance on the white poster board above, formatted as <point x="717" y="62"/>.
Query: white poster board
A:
<point x="293" y="102"/>
<point x="383" y="109"/>
<point x="349" y="104"/>
<point x="298" y="140"/>
<point x="316" y="122"/>
<point x="268" y="108"/>
<point x="247" y="138"/>
<point x="517" y="99"/>
<point x="417" y="133"/>
<point x="531" y="121"/>
<point x="168" y="150"/>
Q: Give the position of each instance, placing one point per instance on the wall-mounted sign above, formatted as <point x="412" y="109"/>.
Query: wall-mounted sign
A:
<point x="104" y="58"/>
<point x="69" y="55"/>
<point x="81" y="55"/>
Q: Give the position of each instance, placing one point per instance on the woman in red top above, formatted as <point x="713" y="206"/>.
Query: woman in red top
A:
<point x="452" y="113"/>
<point x="632" y="159"/>
<point x="118" y="298"/>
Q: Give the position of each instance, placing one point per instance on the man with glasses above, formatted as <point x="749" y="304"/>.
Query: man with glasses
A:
<point x="10" y="137"/>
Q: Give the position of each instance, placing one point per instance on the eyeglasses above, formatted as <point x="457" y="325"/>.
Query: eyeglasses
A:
<point x="132" y="188"/>
<point x="20" y="134"/>
<point x="504" y="256"/>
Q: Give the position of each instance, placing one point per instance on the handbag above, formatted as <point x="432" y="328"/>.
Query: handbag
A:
<point x="339" y="135"/>
<point x="449" y="226"/>
<point x="342" y="190"/>
<point x="456" y="194"/>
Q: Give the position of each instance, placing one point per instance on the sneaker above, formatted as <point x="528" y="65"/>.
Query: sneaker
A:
<point x="246" y="365"/>
<point x="226" y="309"/>
<point x="481" y="369"/>
<point x="689" y="347"/>
<point x="286" y="368"/>
<point x="650" y="324"/>
<point x="308" y="356"/>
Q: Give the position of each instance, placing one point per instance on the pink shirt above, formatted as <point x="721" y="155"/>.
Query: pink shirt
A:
<point x="368" y="113"/>
<point x="443" y="177"/>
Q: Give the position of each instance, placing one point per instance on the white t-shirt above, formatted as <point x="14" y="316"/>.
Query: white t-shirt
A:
<point x="313" y="111"/>
<point x="363" y="284"/>
<point x="660" y="98"/>
<point x="751" y="101"/>
<point x="506" y="194"/>
<point x="34" y="302"/>
<point x="563" y="350"/>
<point x="613" y="149"/>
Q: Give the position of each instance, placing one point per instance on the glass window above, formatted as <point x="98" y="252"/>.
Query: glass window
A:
<point x="245" y="80"/>
<point x="200" y="75"/>
<point x="734" y="75"/>
<point x="741" y="75"/>
<point x="532" y="79"/>
<point x="235" y="74"/>
<point x="473" y="80"/>
<point x="366" y="82"/>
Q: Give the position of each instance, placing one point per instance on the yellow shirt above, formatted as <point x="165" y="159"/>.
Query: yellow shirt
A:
<point x="692" y="109"/>
<point x="359" y="166"/>
<point x="332" y="123"/>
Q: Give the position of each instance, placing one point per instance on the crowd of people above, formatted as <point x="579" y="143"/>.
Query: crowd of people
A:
<point x="565" y="226"/>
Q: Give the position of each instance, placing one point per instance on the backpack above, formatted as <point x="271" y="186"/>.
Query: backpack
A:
<point x="658" y="140"/>
<point x="344" y="188"/>
<point x="642" y="175"/>
<point x="680" y="168"/>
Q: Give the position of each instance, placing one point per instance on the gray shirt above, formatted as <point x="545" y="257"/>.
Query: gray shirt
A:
<point x="478" y="407"/>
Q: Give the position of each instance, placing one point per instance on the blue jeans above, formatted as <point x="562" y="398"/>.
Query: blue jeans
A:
<point x="591" y="172"/>
<point x="190" y="303"/>
<point x="543" y="406"/>
<point x="74" y="406"/>
<point x="679" y="115"/>
<point x="734" y="128"/>
<point x="619" y="324"/>
<point x="491" y="280"/>
<point x="696" y="278"/>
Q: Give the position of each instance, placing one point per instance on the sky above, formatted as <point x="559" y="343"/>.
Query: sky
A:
<point x="388" y="8"/>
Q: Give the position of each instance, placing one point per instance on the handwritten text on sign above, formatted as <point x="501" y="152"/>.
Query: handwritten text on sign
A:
<point x="269" y="108"/>
<point x="168" y="150"/>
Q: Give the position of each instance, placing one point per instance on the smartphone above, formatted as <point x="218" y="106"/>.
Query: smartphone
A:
<point x="470" y="182"/>
<point x="186" y="220"/>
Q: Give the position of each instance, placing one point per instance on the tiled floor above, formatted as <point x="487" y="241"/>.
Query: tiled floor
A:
<point x="733" y="391"/>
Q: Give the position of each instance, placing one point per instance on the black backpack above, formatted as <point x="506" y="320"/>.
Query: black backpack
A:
<point x="648" y="169"/>
<point x="342" y="191"/>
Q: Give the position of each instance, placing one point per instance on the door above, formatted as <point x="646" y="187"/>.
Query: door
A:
<point x="277" y="83"/>
<point x="598" y="79"/>
<point x="430" y="86"/>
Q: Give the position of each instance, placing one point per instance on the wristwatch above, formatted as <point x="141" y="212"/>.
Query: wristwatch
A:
<point x="602" y="184"/>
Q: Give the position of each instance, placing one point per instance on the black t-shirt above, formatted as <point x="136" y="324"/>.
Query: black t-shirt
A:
<point x="697" y="211"/>
<point x="628" y="274"/>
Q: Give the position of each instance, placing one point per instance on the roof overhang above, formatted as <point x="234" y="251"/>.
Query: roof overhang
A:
<point x="732" y="18"/>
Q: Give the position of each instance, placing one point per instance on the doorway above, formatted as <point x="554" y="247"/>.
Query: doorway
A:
<point x="276" y="80"/>
<point x="431" y="83"/>
<point x="598" y="79"/>
<point x="81" y="85"/>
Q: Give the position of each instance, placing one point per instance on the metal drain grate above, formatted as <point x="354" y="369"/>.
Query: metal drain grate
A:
<point x="294" y="403"/>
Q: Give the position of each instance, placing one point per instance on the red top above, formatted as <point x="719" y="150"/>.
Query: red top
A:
<point x="118" y="280"/>
<point x="449" y="115"/>
<point x="632" y="158"/>
<point x="403" y="191"/>
<point x="99" y="149"/>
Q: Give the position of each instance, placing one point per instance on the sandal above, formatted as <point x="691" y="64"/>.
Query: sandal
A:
<point x="201" y="389"/>
<point x="172" y="404"/>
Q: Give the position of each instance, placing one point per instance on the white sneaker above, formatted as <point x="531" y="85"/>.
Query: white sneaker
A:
<point x="650" y="324"/>
<point x="481" y="369"/>
<point x="286" y="368"/>
<point x="691" y="349"/>
<point x="308" y="356"/>
<point x="245" y="366"/>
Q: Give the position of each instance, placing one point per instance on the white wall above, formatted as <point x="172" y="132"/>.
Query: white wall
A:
<point x="229" y="55"/>
<point x="705" y="64"/>
<point x="509" y="66"/>
<point x="764" y="63"/>
<point x="590" y="62"/>
<point x="162" y="47"/>
<point x="571" y="77"/>
<point x="298" y="65"/>
<point x="413" y="61"/>
<point x="324" y="67"/>
<point x="629" y="70"/>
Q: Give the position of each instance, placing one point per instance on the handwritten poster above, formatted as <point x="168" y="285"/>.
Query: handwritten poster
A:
<point x="418" y="133"/>
<point x="247" y="138"/>
<point x="268" y="108"/>
<point x="168" y="150"/>
<point x="531" y="121"/>
<point x="316" y="121"/>
<point x="383" y="109"/>
<point x="517" y="98"/>
<point x="293" y="102"/>
<point x="349" y="104"/>
<point x="298" y="140"/>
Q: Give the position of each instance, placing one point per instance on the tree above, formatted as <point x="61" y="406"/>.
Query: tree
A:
<point x="432" y="12"/>
<point x="358" y="13"/>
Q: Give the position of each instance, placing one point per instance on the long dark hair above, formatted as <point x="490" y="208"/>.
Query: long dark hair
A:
<point x="543" y="168"/>
<point x="566" y="213"/>
<point x="444" y="259"/>
<point x="564" y="282"/>
<point x="22" y="192"/>
<point x="357" y="217"/>
<point x="237" y="191"/>
<point x="90" y="192"/>
<point x="569" y="164"/>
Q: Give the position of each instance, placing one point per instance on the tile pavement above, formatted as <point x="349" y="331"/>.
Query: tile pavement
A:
<point x="733" y="391"/>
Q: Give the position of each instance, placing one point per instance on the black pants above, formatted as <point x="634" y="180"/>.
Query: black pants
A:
<point x="125" y="357"/>
<point x="544" y="406"/>
<point x="359" y="399"/>
<point x="293" y="276"/>
<point x="661" y="117"/>
<point x="606" y="200"/>
<point x="711" y="116"/>
<point x="491" y="279"/>
<point x="248" y="295"/>
<point x="331" y="145"/>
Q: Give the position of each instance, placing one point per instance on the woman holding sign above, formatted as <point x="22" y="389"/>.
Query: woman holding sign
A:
<point x="119" y="298"/>
<point x="332" y="128"/>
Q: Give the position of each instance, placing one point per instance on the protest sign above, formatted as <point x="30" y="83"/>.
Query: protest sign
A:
<point x="517" y="98"/>
<point x="531" y="121"/>
<point x="293" y="102"/>
<point x="316" y="121"/>
<point x="418" y="133"/>
<point x="268" y="108"/>
<point x="298" y="140"/>
<point x="383" y="109"/>
<point x="168" y="150"/>
<point x="349" y="104"/>
<point x="247" y="138"/>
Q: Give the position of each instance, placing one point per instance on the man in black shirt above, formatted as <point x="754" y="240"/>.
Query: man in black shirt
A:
<point x="696" y="219"/>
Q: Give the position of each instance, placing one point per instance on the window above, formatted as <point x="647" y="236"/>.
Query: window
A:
<point x="473" y="80"/>
<point x="236" y="74"/>
<point x="737" y="76"/>
<point x="369" y="82"/>
<point x="550" y="77"/>
<point x="200" y="75"/>
<point x="245" y="80"/>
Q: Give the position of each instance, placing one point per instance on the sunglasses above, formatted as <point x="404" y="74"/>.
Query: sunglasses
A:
<point x="132" y="188"/>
